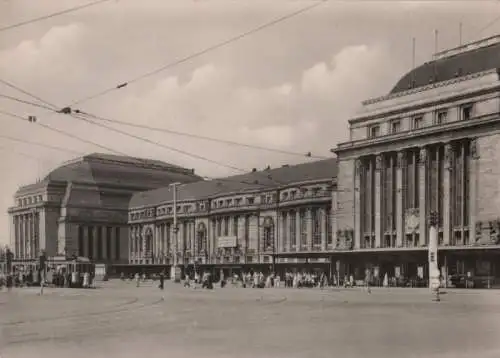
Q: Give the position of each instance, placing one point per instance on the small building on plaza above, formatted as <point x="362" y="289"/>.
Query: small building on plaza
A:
<point x="431" y="144"/>
<point x="81" y="207"/>
<point x="242" y="221"/>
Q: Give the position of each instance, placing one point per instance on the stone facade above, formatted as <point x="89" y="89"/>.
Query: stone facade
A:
<point x="250" y="224"/>
<point x="433" y="148"/>
<point x="85" y="198"/>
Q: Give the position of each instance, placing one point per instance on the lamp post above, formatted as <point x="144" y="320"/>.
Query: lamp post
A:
<point x="174" y="271"/>
<point x="434" y="281"/>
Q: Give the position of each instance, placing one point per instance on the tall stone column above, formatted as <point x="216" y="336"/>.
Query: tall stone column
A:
<point x="378" y="200"/>
<point x="473" y="183"/>
<point x="15" y="232"/>
<point x="448" y="169"/>
<point x="422" y="193"/>
<point x="324" y="229"/>
<point x="400" y="210"/>
<point x="298" y="234"/>
<point x="309" y="221"/>
<point x="357" y="206"/>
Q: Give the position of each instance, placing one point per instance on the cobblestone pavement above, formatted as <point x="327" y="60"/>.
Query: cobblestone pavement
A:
<point x="120" y="320"/>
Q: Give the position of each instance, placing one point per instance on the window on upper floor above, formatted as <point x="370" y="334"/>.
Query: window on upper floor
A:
<point x="374" y="131"/>
<point x="466" y="112"/>
<point x="440" y="117"/>
<point x="417" y="122"/>
<point x="238" y="201"/>
<point x="250" y="201"/>
<point x="396" y="126"/>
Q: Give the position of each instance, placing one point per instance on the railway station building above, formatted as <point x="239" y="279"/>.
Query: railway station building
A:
<point x="81" y="207"/>
<point x="431" y="144"/>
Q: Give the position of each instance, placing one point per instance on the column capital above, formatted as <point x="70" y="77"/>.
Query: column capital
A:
<point x="423" y="156"/>
<point x="474" y="148"/>
<point x="378" y="161"/>
<point x="448" y="155"/>
<point x="358" y="164"/>
<point x="401" y="159"/>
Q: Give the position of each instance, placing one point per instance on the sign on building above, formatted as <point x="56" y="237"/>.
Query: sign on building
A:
<point x="226" y="241"/>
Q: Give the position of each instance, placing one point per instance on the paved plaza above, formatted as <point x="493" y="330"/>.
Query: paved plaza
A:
<point x="120" y="320"/>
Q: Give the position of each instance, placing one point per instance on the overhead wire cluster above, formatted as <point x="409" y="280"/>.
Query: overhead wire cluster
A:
<point x="97" y="120"/>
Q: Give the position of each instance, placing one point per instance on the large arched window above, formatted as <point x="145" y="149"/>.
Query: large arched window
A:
<point x="201" y="238"/>
<point x="268" y="234"/>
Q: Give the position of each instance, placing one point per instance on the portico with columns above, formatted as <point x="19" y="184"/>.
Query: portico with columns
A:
<point x="427" y="146"/>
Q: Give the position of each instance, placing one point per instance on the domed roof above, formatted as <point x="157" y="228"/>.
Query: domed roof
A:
<point x="468" y="59"/>
<point x="112" y="169"/>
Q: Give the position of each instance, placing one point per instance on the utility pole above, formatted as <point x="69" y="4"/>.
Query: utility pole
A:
<point x="276" y="241"/>
<point x="174" y="272"/>
<point x="434" y="281"/>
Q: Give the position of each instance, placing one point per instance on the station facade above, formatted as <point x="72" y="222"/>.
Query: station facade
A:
<point x="81" y="207"/>
<point x="430" y="145"/>
<point x="239" y="222"/>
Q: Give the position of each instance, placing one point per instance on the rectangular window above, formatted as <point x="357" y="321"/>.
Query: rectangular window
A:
<point x="374" y="131"/>
<point x="293" y="228"/>
<point x="396" y="126"/>
<point x="99" y="243"/>
<point x="329" y="236"/>
<point x="91" y="242"/>
<point x="417" y="122"/>
<point x="316" y="226"/>
<point x="303" y="228"/>
<point x="109" y="232"/>
<point x="226" y="226"/>
<point x="81" y="248"/>
<point x="235" y="226"/>
<point x="284" y="234"/>
<point x="440" y="117"/>
<point x="117" y="243"/>
<point x="466" y="112"/>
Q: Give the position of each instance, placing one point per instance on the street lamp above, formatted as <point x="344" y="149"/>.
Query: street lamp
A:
<point x="175" y="269"/>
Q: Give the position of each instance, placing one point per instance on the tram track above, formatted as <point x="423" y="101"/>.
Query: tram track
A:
<point x="77" y="330"/>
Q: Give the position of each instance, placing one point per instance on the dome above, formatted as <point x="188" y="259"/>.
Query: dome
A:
<point x="468" y="59"/>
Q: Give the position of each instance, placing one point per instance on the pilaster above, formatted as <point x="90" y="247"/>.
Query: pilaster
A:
<point x="473" y="180"/>
<point x="378" y="200"/>
<point x="422" y="192"/>
<point x="447" y="173"/>
<point x="399" y="199"/>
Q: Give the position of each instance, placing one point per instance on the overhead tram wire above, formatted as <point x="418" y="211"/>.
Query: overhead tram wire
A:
<point x="203" y="51"/>
<point x="196" y="136"/>
<point x="51" y="107"/>
<point x="17" y="88"/>
<point x="49" y="16"/>
<point x="59" y="131"/>
<point x="69" y="111"/>
<point x="145" y="161"/>
<point x="40" y="144"/>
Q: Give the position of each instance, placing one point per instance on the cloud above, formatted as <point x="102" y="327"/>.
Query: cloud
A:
<point x="309" y="114"/>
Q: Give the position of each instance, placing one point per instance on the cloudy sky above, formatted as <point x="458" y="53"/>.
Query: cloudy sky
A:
<point x="291" y="86"/>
